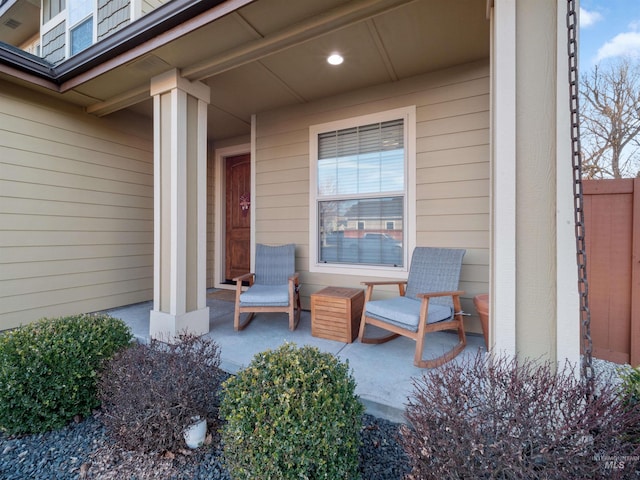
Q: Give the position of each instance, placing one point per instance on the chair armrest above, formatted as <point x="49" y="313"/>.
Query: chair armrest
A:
<point x="368" y="294"/>
<point x="453" y="293"/>
<point x="455" y="297"/>
<point x="239" y="280"/>
<point x="244" y="277"/>
<point x="386" y="282"/>
<point x="293" y="283"/>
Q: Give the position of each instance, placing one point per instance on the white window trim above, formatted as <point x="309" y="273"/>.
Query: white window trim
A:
<point x="135" y="10"/>
<point x="54" y="21"/>
<point x="409" y="116"/>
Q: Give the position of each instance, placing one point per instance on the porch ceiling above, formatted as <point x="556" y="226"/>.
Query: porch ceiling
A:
<point x="272" y="53"/>
<point x="20" y="20"/>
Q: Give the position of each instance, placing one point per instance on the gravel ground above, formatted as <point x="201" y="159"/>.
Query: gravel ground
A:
<point x="82" y="451"/>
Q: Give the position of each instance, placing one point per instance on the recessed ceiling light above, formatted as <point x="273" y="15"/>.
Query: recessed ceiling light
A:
<point x="335" y="59"/>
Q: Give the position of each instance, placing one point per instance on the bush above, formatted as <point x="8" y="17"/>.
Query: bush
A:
<point x="630" y="391"/>
<point x="631" y="385"/>
<point x="507" y="421"/>
<point x="292" y="414"/>
<point x="49" y="370"/>
<point x="151" y="392"/>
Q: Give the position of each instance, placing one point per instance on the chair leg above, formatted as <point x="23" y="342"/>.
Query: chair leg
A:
<point x="294" y="313"/>
<point x="445" y="357"/>
<point x="237" y="326"/>
<point x="298" y="310"/>
<point x="442" y="359"/>
<point x="236" y="321"/>
<point x="373" y="340"/>
<point x="417" y="357"/>
<point x="236" y="314"/>
<point x="294" y="319"/>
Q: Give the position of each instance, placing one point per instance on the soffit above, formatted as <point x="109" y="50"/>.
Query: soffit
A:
<point x="275" y="15"/>
<point x="434" y="35"/>
<point x="305" y="70"/>
<point x="19" y="21"/>
<point x="272" y="53"/>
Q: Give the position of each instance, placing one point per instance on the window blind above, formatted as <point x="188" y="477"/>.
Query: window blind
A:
<point x="367" y="159"/>
<point x="376" y="137"/>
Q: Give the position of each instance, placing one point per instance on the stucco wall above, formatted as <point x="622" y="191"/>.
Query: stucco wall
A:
<point x="76" y="209"/>
<point x="452" y="169"/>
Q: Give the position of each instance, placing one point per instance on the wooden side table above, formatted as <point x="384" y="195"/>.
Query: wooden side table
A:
<point x="336" y="313"/>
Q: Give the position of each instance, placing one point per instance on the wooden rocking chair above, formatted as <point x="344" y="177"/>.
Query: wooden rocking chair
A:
<point x="272" y="288"/>
<point x="430" y="303"/>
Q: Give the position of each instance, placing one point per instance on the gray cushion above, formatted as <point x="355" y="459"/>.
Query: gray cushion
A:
<point x="266" y="295"/>
<point x="405" y="312"/>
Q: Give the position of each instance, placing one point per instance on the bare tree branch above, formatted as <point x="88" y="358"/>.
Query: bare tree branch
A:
<point x="610" y="120"/>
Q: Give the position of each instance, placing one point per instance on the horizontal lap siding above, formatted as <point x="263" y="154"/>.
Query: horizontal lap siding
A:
<point x="76" y="210"/>
<point x="282" y="179"/>
<point x="452" y="179"/>
<point x="452" y="169"/>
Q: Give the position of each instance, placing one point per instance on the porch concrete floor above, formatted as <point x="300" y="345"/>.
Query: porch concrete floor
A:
<point x="383" y="373"/>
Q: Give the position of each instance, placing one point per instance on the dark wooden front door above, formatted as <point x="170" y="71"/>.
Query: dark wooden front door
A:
<point x="238" y="215"/>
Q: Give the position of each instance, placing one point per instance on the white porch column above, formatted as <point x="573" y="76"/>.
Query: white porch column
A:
<point x="502" y="297"/>
<point x="180" y="200"/>
<point x="534" y="301"/>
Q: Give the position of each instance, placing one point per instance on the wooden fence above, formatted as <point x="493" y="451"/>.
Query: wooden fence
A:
<point x="612" y="223"/>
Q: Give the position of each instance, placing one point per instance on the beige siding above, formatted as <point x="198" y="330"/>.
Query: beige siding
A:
<point x="452" y="169"/>
<point x="76" y="209"/>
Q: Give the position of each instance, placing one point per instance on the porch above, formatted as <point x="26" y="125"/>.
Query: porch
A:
<point x="383" y="373"/>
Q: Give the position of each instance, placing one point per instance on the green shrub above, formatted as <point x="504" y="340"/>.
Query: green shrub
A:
<point x="49" y="370"/>
<point x="630" y="390"/>
<point x="150" y="392"/>
<point x="631" y="385"/>
<point x="292" y="414"/>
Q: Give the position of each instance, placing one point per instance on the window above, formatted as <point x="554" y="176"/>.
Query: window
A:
<point x="359" y="195"/>
<point x="51" y="8"/>
<point x="81" y="21"/>
<point x="81" y="36"/>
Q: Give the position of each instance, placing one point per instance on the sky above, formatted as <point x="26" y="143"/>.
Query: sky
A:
<point x="608" y="29"/>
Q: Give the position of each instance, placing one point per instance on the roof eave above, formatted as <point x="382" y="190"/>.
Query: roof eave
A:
<point x="155" y="23"/>
<point x="26" y="62"/>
